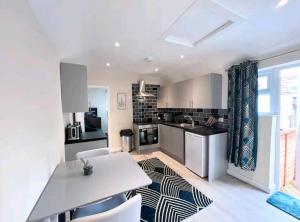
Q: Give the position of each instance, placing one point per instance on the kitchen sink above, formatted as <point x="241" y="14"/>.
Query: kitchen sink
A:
<point x="188" y="126"/>
<point x="185" y="125"/>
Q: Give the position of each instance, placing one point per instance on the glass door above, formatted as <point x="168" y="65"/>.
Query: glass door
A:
<point x="289" y="130"/>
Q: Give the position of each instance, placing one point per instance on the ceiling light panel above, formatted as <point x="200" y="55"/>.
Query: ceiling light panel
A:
<point x="200" y="21"/>
<point x="282" y="3"/>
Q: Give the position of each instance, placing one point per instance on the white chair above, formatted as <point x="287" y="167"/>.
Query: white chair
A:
<point x="128" y="211"/>
<point x="92" y="153"/>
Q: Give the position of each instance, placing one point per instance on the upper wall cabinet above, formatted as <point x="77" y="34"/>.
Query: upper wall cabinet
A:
<point x="74" y="93"/>
<point x="207" y="92"/>
<point x="168" y="97"/>
<point x="184" y="94"/>
<point x="162" y="101"/>
<point x="201" y="92"/>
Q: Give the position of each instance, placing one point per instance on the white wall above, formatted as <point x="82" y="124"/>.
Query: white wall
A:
<point x="31" y="133"/>
<point x="98" y="98"/>
<point x="279" y="60"/>
<point x="117" y="119"/>
<point x="264" y="175"/>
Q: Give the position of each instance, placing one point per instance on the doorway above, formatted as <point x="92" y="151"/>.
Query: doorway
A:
<point x="289" y="130"/>
<point x="279" y="94"/>
<point x="97" y="117"/>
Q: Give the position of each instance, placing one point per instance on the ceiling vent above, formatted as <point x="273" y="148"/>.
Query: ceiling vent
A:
<point x="149" y="59"/>
<point x="202" y="20"/>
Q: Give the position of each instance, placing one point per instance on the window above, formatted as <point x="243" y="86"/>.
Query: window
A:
<point x="263" y="83"/>
<point x="264" y="103"/>
<point x="268" y="91"/>
<point x="264" y="97"/>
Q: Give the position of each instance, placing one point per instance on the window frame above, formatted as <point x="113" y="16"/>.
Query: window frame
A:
<point x="273" y="86"/>
<point x="268" y="82"/>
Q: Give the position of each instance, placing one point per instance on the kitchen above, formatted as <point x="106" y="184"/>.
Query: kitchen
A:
<point x="185" y="121"/>
<point x="203" y="148"/>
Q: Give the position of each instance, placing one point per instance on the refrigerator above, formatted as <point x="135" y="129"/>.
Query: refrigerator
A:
<point x="196" y="153"/>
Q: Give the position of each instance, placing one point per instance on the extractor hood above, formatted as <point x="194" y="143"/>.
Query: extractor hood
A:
<point x="142" y="92"/>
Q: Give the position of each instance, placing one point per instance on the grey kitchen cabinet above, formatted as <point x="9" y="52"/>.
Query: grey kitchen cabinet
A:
<point x="162" y="101"/>
<point x="177" y="148"/>
<point x="168" y="97"/>
<point x="164" y="136"/>
<point x="184" y="91"/>
<point x="201" y="92"/>
<point x="74" y="93"/>
<point x="207" y="91"/>
<point x="172" y="96"/>
<point x="172" y="142"/>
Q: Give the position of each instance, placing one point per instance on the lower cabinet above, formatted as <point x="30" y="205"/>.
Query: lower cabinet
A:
<point x="172" y="142"/>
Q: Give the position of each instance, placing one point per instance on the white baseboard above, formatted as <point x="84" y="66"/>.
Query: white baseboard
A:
<point x="263" y="187"/>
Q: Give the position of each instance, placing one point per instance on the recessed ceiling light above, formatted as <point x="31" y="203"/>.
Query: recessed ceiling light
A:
<point x="117" y="44"/>
<point x="156" y="69"/>
<point x="182" y="56"/>
<point x="282" y="3"/>
<point x="108" y="64"/>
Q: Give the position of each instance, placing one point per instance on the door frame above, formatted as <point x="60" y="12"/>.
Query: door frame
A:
<point x="275" y="87"/>
<point x="108" y="108"/>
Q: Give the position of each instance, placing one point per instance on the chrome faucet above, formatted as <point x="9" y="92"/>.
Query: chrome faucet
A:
<point x="189" y="117"/>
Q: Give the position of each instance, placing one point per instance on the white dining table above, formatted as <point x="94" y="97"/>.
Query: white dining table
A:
<point x="68" y="188"/>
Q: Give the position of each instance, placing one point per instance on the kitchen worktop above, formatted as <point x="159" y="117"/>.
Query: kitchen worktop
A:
<point x="146" y="123"/>
<point x="201" y="130"/>
<point x="89" y="136"/>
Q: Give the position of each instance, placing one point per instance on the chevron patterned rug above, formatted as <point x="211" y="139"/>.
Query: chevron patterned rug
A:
<point x="169" y="198"/>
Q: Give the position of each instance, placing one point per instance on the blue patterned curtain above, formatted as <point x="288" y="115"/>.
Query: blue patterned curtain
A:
<point x="242" y="114"/>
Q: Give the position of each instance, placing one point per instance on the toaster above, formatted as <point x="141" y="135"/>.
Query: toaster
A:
<point x="73" y="132"/>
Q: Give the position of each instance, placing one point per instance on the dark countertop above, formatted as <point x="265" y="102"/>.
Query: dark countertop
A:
<point x="146" y="123"/>
<point x="89" y="136"/>
<point x="201" y="130"/>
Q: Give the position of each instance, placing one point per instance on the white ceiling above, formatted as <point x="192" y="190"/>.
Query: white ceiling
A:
<point x="84" y="31"/>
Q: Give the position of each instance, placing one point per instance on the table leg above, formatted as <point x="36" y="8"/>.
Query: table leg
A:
<point x="62" y="217"/>
<point x="133" y="192"/>
<point x="71" y="214"/>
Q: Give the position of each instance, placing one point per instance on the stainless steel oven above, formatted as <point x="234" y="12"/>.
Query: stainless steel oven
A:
<point x="146" y="136"/>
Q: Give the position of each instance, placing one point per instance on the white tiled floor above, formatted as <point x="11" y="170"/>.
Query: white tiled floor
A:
<point x="234" y="201"/>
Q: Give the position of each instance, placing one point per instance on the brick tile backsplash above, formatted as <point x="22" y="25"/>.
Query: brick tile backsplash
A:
<point x="147" y="111"/>
<point x="199" y="115"/>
